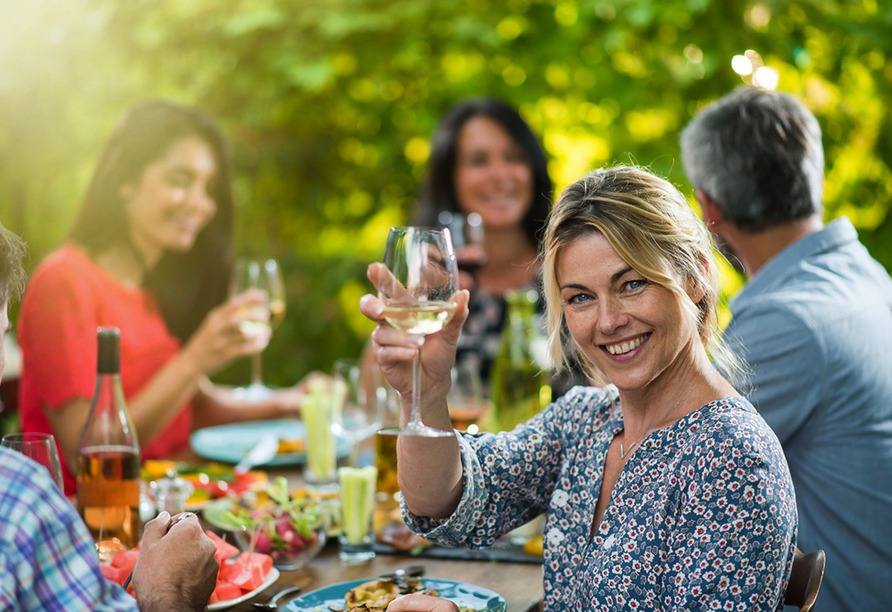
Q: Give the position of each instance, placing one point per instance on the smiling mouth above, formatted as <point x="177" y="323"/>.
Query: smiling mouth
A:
<point x="624" y="347"/>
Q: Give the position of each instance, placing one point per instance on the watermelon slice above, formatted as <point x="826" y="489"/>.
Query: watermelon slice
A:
<point x="225" y="591"/>
<point x="114" y="574"/>
<point x="225" y="550"/>
<point x="265" y="562"/>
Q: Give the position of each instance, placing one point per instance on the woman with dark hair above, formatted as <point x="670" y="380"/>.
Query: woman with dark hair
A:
<point x="150" y="254"/>
<point x="486" y="160"/>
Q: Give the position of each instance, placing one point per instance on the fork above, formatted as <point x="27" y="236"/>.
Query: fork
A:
<point x="274" y="602"/>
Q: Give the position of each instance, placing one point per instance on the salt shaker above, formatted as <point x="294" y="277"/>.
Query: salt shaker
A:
<point x="171" y="493"/>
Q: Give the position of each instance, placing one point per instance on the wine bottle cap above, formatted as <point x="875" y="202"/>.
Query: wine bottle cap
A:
<point x="109" y="355"/>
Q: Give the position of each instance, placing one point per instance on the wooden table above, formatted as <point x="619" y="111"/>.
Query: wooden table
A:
<point x="519" y="583"/>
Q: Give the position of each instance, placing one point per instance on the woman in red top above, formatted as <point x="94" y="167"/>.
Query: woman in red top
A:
<point x="150" y="254"/>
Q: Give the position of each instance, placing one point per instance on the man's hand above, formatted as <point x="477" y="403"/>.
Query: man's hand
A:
<point x="176" y="569"/>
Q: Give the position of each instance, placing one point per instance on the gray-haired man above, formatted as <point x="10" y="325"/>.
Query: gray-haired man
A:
<point x="814" y="322"/>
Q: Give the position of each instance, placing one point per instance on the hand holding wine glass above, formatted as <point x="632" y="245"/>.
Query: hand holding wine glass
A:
<point x="418" y="286"/>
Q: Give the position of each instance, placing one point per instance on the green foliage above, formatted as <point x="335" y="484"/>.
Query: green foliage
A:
<point x="329" y="105"/>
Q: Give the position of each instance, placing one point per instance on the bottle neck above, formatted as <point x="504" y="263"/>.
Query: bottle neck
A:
<point x="109" y="424"/>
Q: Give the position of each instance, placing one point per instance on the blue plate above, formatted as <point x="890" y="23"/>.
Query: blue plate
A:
<point x="463" y="594"/>
<point x="230" y="443"/>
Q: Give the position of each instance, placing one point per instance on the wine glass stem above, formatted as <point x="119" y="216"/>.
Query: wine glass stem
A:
<point x="257" y="369"/>
<point x="415" y="417"/>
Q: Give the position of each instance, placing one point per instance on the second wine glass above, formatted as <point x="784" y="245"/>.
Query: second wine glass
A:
<point x="266" y="275"/>
<point x="39" y="447"/>
<point x="355" y="412"/>
<point x="417" y="289"/>
<point x="467" y="239"/>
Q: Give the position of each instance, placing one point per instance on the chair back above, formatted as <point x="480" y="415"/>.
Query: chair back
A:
<point x="805" y="580"/>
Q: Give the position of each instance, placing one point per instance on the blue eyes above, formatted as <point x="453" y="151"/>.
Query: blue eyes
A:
<point x="626" y="288"/>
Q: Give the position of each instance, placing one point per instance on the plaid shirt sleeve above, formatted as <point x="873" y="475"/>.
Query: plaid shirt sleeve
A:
<point x="47" y="557"/>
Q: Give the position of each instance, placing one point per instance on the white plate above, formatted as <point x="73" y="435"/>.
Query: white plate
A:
<point x="271" y="577"/>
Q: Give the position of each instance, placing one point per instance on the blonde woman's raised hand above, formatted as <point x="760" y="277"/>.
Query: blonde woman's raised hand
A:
<point x="394" y="349"/>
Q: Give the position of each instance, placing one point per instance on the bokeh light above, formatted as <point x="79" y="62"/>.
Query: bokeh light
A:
<point x="765" y="77"/>
<point x="741" y="65"/>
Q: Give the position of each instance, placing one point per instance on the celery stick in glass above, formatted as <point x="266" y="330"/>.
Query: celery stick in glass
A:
<point x="357" y="511"/>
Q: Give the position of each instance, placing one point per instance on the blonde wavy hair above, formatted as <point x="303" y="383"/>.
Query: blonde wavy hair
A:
<point x="653" y="229"/>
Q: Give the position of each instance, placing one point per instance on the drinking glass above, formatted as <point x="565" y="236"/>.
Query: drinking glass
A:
<point x="39" y="447"/>
<point x="356" y="412"/>
<point x="417" y="289"/>
<point x="467" y="239"/>
<point x="387" y="483"/>
<point x="266" y="275"/>
<point x="357" y="513"/>
<point x="465" y="397"/>
<point x="320" y="469"/>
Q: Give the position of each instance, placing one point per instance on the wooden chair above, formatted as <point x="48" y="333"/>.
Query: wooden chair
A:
<point x="805" y="580"/>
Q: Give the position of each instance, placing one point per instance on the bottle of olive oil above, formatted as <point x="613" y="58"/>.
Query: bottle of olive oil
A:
<point x="520" y="377"/>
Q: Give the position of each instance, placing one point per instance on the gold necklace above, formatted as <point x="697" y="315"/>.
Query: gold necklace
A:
<point x="623" y="452"/>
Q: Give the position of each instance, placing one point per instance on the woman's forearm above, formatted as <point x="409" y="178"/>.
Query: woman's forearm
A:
<point x="430" y="470"/>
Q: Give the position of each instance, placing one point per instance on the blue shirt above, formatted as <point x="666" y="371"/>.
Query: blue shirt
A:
<point x="48" y="560"/>
<point x="703" y="513"/>
<point x="815" y="326"/>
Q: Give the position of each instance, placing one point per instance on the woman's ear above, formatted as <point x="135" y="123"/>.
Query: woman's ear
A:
<point x="696" y="289"/>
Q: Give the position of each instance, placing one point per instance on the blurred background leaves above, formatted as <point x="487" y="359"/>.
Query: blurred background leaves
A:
<point x="329" y="106"/>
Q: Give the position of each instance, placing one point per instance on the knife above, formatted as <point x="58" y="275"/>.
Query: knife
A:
<point x="400" y="574"/>
<point x="260" y="453"/>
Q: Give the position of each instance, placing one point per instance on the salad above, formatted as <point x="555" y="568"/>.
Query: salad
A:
<point x="290" y="530"/>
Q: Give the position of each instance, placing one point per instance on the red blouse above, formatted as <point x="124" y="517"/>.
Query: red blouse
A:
<point x="67" y="299"/>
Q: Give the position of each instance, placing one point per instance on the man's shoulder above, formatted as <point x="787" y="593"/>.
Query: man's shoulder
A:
<point x="827" y="285"/>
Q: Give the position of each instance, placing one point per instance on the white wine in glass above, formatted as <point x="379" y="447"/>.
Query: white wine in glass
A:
<point x="417" y="290"/>
<point x="266" y="275"/>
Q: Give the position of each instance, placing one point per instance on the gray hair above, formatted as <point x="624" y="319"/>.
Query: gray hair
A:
<point x="758" y="156"/>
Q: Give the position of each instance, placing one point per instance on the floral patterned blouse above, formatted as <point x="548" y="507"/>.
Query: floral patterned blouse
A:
<point x="703" y="516"/>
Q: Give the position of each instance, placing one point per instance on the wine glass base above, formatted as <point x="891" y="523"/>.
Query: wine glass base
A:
<point x="420" y="430"/>
<point x="255" y="392"/>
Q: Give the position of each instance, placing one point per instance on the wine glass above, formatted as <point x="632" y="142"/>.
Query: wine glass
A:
<point x="40" y="447"/>
<point x="266" y="275"/>
<point x="356" y="413"/>
<point x="465" y="397"/>
<point x="417" y="289"/>
<point x="467" y="240"/>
